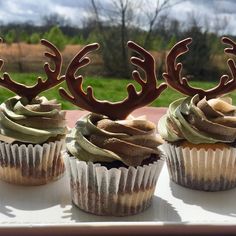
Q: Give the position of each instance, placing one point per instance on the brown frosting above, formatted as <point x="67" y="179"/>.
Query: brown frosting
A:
<point x="129" y="141"/>
<point x="199" y="121"/>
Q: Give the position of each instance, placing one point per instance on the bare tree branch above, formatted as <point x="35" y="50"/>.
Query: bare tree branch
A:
<point x="152" y="16"/>
<point x="96" y="14"/>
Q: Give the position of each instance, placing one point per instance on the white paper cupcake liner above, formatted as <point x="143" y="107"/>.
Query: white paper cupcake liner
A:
<point x="208" y="170"/>
<point x="115" y="192"/>
<point x="31" y="164"/>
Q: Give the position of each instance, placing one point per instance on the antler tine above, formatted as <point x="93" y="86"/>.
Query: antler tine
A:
<point x="226" y="85"/>
<point x="173" y="74"/>
<point x="230" y="42"/>
<point x="7" y="82"/>
<point x="79" y="61"/>
<point x="149" y="86"/>
<point x="53" y="78"/>
<point x="118" y="110"/>
<point x="56" y="57"/>
<point x="1" y="60"/>
<point x="74" y="84"/>
<point x="32" y="91"/>
<point x="231" y="50"/>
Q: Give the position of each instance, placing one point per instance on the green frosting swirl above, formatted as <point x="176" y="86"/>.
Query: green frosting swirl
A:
<point x="36" y="122"/>
<point x="199" y="121"/>
<point x="98" y="139"/>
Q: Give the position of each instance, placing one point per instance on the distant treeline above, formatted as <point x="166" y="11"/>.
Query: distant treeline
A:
<point x="205" y="59"/>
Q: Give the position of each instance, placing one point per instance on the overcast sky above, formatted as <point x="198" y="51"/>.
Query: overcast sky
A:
<point x="75" y="10"/>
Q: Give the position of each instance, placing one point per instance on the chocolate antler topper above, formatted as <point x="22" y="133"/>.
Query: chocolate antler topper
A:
<point x="175" y="80"/>
<point x="53" y="78"/>
<point x="118" y="110"/>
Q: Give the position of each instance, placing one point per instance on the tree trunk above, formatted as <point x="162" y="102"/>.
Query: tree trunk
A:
<point x="19" y="61"/>
<point x="123" y="44"/>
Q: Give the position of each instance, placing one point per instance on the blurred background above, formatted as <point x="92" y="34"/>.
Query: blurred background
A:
<point x="154" y="24"/>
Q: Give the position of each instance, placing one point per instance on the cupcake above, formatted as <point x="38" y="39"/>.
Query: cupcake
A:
<point x="200" y="129"/>
<point x="114" y="160"/>
<point x="32" y="129"/>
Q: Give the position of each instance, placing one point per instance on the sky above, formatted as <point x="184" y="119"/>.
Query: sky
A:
<point x="222" y="13"/>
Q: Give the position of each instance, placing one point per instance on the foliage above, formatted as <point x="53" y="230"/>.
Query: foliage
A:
<point x="10" y="36"/>
<point x="197" y="62"/>
<point x="15" y="35"/>
<point x="112" y="35"/>
<point x="34" y="38"/>
<point x="92" y="37"/>
<point x="56" y="36"/>
<point x="22" y="36"/>
<point x="114" y="62"/>
<point x="172" y="42"/>
<point x="79" y="39"/>
<point x="158" y="43"/>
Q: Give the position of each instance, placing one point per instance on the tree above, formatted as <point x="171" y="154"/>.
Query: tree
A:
<point x="92" y="37"/>
<point x="197" y="62"/>
<point x="78" y="39"/>
<point x="171" y="42"/>
<point x="13" y="36"/>
<point x="152" y="16"/>
<point x="55" y="19"/>
<point x="10" y="36"/>
<point x="158" y="43"/>
<point x="56" y="36"/>
<point x="120" y="22"/>
<point x="34" y="38"/>
<point x="113" y="33"/>
<point x="155" y="15"/>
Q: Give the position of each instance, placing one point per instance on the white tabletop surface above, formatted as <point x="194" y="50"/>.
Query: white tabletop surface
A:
<point x="50" y="205"/>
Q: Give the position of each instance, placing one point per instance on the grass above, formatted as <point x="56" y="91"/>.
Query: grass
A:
<point x="105" y="89"/>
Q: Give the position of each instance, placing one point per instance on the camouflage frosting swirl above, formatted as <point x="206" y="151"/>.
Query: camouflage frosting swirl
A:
<point x="199" y="121"/>
<point x="97" y="138"/>
<point x="35" y="122"/>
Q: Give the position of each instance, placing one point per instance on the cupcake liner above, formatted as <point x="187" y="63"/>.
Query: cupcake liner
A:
<point x="115" y="192"/>
<point x="31" y="164"/>
<point x="208" y="170"/>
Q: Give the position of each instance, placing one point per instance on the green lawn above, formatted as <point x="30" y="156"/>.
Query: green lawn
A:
<point x="104" y="88"/>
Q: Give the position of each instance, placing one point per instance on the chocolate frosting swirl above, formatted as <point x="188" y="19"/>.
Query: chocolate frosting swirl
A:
<point x="33" y="122"/>
<point x="96" y="138"/>
<point x="199" y="121"/>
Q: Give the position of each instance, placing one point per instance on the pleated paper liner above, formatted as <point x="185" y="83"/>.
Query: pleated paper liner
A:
<point x="208" y="170"/>
<point x="115" y="192"/>
<point x="31" y="164"/>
